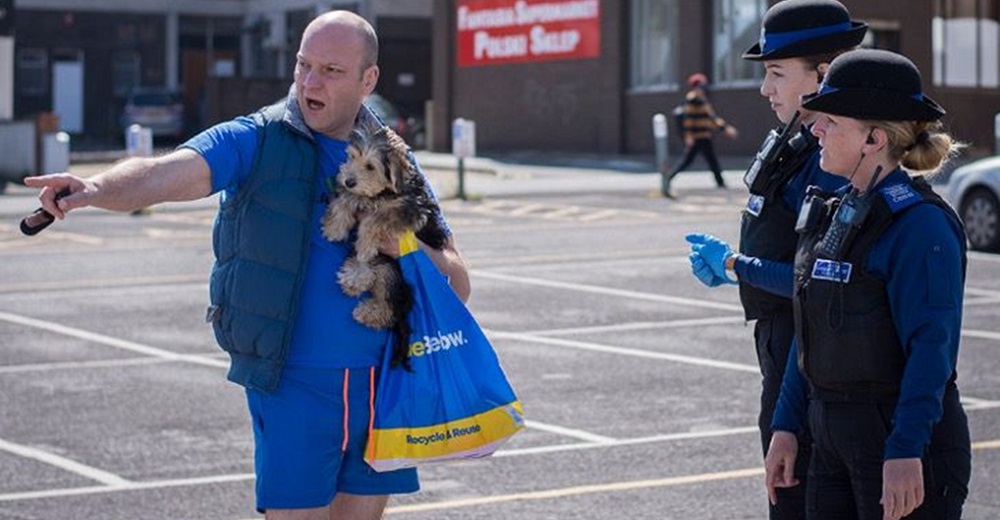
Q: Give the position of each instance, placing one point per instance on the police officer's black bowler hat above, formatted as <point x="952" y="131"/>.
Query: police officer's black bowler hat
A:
<point x="873" y="84"/>
<point x="797" y="28"/>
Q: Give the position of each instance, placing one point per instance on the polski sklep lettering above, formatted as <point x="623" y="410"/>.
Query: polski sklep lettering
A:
<point x="442" y="435"/>
<point x="432" y="344"/>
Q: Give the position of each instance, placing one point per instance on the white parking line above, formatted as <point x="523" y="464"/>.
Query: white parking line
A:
<point x="599" y="215"/>
<point x="972" y="403"/>
<point x="609" y="349"/>
<point x="216" y="479"/>
<point x="71" y="466"/>
<point x="666" y="437"/>
<point x="638" y="325"/>
<point x="130" y="486"/>
<point x="689" y="302"/>
<point x="570" y="432"/>
<point x="525" y="209"/>
<point x="981" y="334"/>
<point x="77" y="365"/>
<point x="112" y="342"/>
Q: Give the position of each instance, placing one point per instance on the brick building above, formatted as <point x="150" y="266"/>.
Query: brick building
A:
<point x="499" y="63"/>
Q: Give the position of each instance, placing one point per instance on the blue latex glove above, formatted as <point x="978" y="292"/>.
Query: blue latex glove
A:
<point x="715" y="252"/>
<point x="703" y="272"/>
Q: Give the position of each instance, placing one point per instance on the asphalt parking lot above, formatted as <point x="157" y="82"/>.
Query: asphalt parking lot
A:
<point x="640" y="386"/>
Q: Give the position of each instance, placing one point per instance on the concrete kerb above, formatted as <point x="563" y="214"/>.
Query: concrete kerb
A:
<point x="498" y="174"/>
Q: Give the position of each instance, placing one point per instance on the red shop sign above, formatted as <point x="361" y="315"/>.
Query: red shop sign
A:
<point x="492" y="32"/>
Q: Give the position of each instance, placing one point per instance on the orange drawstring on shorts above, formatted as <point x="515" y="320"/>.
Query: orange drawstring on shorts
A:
<point x="371" y="401"/>
<point x="347" y="409"/>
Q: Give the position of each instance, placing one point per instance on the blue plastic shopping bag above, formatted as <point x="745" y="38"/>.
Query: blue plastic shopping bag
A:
<point x="456" y="402"/>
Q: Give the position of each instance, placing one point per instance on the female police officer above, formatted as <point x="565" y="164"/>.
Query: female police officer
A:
<point x="879" y="276"/>
<point x="798" y="40"/>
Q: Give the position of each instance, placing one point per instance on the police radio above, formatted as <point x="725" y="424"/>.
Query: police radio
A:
<point x="850" y="215"/>
<point x="813" y="209"/>
<point x="768" y="154"/>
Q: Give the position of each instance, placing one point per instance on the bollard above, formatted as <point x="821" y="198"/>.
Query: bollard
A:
<point x="55" y="152"/>
<point x="996" y="134"/>
<point x="138" y="141"/>
<point x="463" y="144"/>
<point x="660" y="140"/>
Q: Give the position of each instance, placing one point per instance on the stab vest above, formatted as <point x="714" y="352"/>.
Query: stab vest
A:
<point x="769" y="234"/>
<point x="846" y="335"/>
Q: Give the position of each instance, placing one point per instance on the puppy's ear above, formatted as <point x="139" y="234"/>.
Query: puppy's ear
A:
<point x="398" y="160"/>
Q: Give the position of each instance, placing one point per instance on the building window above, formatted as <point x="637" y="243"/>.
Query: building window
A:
<point x="654" y="44"/>
<point x="33" y="72"/>
<point x="966" y="43"/>
<point x="882" y="34"/>
<point x="125" y="71"/>
<point x="736" y="26"/>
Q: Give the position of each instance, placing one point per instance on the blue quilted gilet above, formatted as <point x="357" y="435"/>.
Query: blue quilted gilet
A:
<point x="261" y="243"/>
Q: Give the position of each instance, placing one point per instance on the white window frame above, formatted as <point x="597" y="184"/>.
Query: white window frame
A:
<point x="735" y="27"/>
<point x="654" y="45"/>
<point x="966" y="48"/>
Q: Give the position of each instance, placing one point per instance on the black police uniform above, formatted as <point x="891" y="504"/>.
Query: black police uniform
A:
<point x="849" y="352"/>
<point x="766" y="231"/>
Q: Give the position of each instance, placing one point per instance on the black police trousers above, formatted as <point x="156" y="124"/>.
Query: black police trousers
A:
<point x="845" y="475"/>
<point x="773" y="337"/>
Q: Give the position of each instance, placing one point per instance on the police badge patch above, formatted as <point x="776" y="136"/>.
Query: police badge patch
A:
<point x="899" y="196"/>
<point x="832" y="271"/>
<point x="755" y="204"/>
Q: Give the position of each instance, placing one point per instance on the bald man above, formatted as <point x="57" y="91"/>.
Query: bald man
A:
<point x="276" y="307"/>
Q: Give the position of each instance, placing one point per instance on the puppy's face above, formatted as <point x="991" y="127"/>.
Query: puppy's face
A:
<point x="366" y="172"/>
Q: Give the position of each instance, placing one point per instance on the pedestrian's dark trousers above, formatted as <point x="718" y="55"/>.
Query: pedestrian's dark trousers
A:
<point x="773" y="336"/>
<point x="707" y="149"/>
<point x="845" y="476"/>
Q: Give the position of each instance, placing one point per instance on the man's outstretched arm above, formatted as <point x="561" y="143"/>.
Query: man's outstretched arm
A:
<point x="129" y="185"/>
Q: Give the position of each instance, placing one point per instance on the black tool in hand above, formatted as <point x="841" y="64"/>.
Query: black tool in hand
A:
<point x="40" y="219"/>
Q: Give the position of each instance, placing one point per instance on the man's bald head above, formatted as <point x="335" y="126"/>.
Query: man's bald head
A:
<point x="334" y="20"/>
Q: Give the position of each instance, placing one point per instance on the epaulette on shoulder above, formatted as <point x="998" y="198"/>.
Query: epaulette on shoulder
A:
<point x="899" y="196"/>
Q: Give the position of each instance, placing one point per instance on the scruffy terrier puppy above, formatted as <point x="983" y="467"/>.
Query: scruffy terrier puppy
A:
<point x="381" y="194"/>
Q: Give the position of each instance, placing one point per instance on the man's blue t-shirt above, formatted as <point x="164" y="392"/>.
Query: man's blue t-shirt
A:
<point x="325" y="334"/>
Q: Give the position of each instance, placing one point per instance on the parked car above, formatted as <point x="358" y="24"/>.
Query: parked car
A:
<point x="974" y="191"/>
<point x="160" y="110"/>
<point x="410" y="127"/>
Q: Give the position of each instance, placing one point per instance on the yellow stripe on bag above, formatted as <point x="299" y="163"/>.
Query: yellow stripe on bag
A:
<point x="446" y="438"/>
<point x="407" y="243"/>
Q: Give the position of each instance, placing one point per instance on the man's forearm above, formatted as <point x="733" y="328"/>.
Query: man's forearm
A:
<point x="451" y="264"/>
<point x="141" y="182"/>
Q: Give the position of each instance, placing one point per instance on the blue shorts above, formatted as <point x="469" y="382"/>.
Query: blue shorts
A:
<point x="305" y="451"/>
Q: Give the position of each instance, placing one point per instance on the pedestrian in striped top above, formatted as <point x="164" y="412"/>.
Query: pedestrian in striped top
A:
<point x="700" y="126"/>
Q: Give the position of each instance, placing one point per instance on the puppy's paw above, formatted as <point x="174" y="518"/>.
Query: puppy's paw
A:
<point x="337" y="223"/>
<point x="355" y="277"/>
<point x="374" y="313"/>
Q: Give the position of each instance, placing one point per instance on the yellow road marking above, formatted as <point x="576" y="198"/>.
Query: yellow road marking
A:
<point x="604" y="488"/>
<point x="578" y="490"/>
